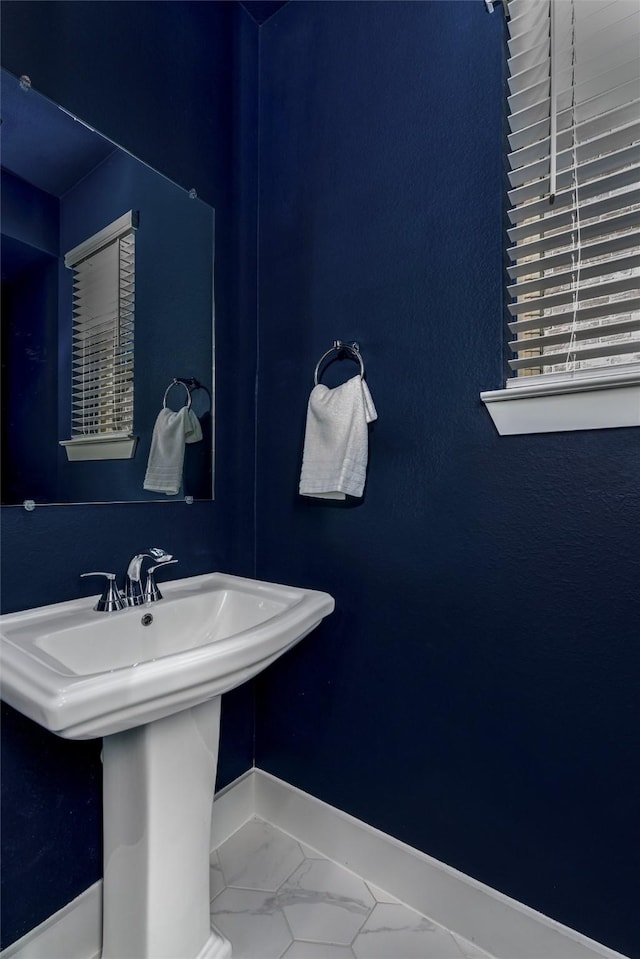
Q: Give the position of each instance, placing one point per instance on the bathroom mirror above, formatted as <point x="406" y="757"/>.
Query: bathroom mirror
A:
<point x="63" y="183"/>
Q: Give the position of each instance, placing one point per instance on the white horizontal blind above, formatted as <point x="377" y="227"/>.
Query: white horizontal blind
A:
<point x="574" y="287"/>
<point x="103" y="329"/>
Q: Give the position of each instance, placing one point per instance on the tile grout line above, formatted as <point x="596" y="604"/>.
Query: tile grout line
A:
<point x="309" y="860"/>
<point x="278" y="909"/>
<point x="346" y="869"/>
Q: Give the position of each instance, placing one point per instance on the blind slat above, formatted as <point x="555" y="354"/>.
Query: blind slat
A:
<point x="610" y="142"/>
<point x="80" y="409"/>
<point x="535" y="159"/>
<point x="596" y="168"/>
<point x="607" y="247"/>
<point x="591" y="76"/>
<point x="582" y="333"/>
<point x="598" y="207"/>
<point x="588" y="191"/>
<point x="598" y="106"/>
<point x="624" y="284"/>
<point x="621" y="118"/>
<point x="535" y="108"/>
<point x="114" y="368"/>
<point x="622" y="221"/>
<point x="604" y="351"/>
<point x="104" y="335"/>
<point x="587" y="313"/>
<point x="548" y="279"/>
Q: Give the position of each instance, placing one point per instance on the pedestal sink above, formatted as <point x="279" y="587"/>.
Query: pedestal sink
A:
<point x="149" y="680"/>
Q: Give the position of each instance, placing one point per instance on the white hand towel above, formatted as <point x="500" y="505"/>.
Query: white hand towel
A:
<point x="166" y="457"/>
<point x="336" y="443"/>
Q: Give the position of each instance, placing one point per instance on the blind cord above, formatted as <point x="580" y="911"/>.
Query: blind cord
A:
<point x="577" y="244"/>
<point x="553" y="106"/>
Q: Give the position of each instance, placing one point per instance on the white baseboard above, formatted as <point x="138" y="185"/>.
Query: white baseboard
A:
<point x="500" y="925"/>
<point x="232" y="808"/>
<point x="74" y="932"/>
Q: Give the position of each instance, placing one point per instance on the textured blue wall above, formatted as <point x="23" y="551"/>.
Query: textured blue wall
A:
<point x="475" y="693"/>
<point x="29" y="215"/>
<point x="175" y="83"/>
<point x="30" y="226"/>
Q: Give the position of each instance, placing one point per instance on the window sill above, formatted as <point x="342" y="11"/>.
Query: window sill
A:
<point x="592" y="402"/>
<point x="100" y="448"/>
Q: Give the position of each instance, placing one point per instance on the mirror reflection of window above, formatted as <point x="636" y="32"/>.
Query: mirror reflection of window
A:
<point x="103" y="343"/>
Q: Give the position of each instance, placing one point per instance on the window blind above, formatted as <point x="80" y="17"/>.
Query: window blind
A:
<point x="103" y="335"/>
<point x="574" y="178"/>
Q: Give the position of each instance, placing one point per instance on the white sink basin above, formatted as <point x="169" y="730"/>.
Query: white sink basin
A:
<point x="84" y="674"/>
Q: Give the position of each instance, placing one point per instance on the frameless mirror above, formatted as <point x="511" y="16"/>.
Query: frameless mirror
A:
<point x="62" y="183"/>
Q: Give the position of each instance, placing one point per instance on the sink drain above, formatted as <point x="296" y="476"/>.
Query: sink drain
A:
<point x="147" y="619"/>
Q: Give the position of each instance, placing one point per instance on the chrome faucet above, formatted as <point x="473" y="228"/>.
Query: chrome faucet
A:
<point x="151" y="592"/>
<point x="133" y="592"/>
<point x="111" y="598"/>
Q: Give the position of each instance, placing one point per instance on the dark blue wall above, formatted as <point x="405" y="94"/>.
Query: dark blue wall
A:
<point x="29" y="215"/>
<point x="30" y="228"/>
<point x="188" y="107"/>
<point x="475" y="692"/>
<point x="29" y="377"/>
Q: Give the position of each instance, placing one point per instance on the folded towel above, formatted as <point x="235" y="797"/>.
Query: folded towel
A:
<point x="336" y="443"/>
<point x="166" y="457"/>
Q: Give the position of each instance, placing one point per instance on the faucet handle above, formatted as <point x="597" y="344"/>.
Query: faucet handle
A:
<point x="111" y="598"/>
<point x="151" y="592"/>
<point x="159" y="554"/>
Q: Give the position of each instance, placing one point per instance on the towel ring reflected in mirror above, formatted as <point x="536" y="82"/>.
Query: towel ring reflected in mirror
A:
<point x="173" y="383"/>
<point x="338" y="347"/>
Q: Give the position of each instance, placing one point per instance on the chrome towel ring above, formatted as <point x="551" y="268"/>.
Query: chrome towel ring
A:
<point x="338" y="347"/>
<point x="176" y="382"/>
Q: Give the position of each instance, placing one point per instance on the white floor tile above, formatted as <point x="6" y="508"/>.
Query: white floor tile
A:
<point x="252" y="922"/>
<point x="395" y="930"/>
<point x="259" y="856"/>
<point x="275" y="898"/>
<point x="325" y="903"/>
<point x="317" y="950"/>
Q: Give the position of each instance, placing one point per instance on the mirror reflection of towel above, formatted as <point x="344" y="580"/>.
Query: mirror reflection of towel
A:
<point x="336" y="443"/>
<point x="166" y="457"/>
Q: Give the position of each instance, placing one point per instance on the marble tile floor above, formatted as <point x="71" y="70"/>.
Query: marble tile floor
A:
<point x="275" y="898"/>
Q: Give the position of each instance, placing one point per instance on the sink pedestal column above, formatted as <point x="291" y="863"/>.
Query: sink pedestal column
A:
<point x="158" y="793"/>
